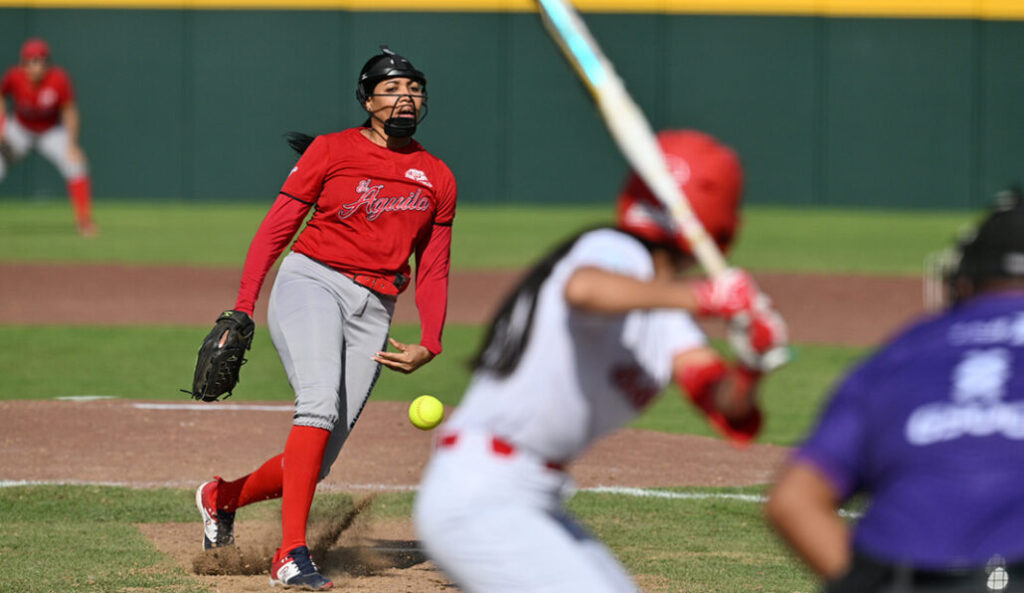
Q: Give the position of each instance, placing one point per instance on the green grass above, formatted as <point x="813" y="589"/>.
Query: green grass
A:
<point x="89" y="532"/>
<point x="844" y="240"/>
<point x="791" y="397"/>
<point x="145" y="232"/>
<point x="784" y="239"/>
<point x="40" y="362"/>
<point x="711" y="545"/>
<point x="84" y="540"/>
<point x="219" y="234"/>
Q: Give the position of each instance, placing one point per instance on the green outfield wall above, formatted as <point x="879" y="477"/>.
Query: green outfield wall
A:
<point x="826" y="109"/>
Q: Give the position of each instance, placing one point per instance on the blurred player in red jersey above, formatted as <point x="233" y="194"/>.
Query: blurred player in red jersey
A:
<point x="378" y="198"/>
<point x="46" y="118"/>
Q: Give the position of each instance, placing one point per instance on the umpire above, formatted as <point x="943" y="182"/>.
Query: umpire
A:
<point x="930" y="429"/>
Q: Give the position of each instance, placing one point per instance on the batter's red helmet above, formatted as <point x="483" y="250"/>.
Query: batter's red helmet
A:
<point x="710" y="176"/>
<point x="34" y="48"/>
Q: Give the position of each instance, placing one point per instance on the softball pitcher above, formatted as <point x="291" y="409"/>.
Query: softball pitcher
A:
<point x="45" y="118"/>
<point x="379" y="198"/>
<point x="590" y="337"/>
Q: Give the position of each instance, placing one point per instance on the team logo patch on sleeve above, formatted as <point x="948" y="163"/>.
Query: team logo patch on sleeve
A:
<point x="418" y="176"/>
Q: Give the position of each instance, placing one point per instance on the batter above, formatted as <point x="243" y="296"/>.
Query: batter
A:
<point x="378" y="198"/>
<point x="581" y="347"/>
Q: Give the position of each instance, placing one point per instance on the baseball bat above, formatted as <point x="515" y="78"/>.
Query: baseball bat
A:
<point x="628" y="126"/>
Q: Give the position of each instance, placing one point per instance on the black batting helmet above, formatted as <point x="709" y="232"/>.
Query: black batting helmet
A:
<point x="995" y="249"/>
<point x="382" y="66"/>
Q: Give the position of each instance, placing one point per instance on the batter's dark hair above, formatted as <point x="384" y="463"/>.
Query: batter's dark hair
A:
<point x="510" y="328"/>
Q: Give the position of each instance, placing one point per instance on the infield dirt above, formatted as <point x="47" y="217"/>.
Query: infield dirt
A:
<point x="144" y="447"/>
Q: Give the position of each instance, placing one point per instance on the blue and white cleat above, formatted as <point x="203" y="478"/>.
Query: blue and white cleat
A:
<point x="296" y="569"/>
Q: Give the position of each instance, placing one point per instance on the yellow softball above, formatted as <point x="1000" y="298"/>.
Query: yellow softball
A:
<point x="426" y="412"/>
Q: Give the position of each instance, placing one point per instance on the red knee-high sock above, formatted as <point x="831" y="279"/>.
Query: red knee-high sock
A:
<point x="80" y="192"/>
<point x="262" y="484"/>
<point x="303" y="455"/>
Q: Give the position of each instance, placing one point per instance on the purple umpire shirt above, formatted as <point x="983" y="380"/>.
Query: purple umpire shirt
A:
<point x="931" y="428"/>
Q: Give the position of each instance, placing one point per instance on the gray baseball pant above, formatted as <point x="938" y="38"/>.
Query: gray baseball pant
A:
<point x="326" y="328"/>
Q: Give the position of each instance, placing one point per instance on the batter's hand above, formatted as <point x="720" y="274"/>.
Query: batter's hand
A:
<point x="759" y="339"/>
<point x="732" y="292"/>
<point x="408" y="358"/>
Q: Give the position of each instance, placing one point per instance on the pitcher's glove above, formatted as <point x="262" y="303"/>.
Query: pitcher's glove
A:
<point x="221" y="356"/>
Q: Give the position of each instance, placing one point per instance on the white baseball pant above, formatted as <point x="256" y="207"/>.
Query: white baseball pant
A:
<point x="498" y="524"/>
<point x="52" y="144"/>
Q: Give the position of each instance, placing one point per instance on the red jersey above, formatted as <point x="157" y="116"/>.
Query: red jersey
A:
<point x="37" y="107"/>
<point x="373" y="205"/>
<point x="375" y="208"/>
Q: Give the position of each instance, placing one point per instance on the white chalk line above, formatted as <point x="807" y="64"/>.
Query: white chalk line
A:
<point x="631" y="492"/>
<point x="217" y="407"/>
<point x="634" y="492"/>
<point x="619" y="490"/>
<point x="137" y="485"/>
<point x="202" y="407"/>
<point x="648" y="493"/>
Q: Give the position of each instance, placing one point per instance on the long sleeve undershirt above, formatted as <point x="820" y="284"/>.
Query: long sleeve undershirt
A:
<point x="277" y="229"/>
<point x="433" y="262"/>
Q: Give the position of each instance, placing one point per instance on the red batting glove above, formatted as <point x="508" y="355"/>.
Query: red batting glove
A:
<point x="732" y="292"/>
<point x="701" y="382"/>
<point x="759" y="339"/>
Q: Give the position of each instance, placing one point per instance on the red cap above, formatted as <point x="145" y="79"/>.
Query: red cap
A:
<point x="34" y="48"/>
<point x="711" y="177"/>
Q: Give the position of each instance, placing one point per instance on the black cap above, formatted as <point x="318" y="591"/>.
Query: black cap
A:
<point x="996" y="248"/>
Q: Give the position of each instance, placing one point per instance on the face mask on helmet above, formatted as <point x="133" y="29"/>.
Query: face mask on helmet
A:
<point x="992" y="251"/>
<point x="710" y="176"/>
<point x="383" y="66"/>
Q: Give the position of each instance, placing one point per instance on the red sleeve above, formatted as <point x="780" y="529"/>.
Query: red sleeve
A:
<point x="432" y="265"/>
<point x="306" y="179"/>
<point x="67" y="91"/>
<point x="300" y="191"/>
<point x="433" y="262"/>
<point x="700" y="382"/>
<point x="276" y="230"/>
<point x="5" y="84"/>
<point x="447" y="196"/>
